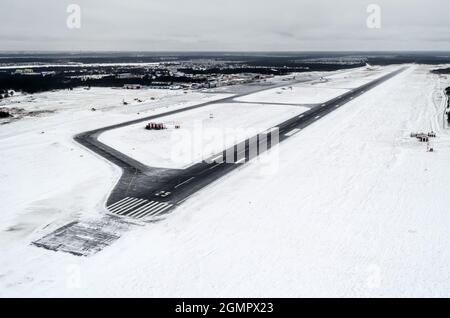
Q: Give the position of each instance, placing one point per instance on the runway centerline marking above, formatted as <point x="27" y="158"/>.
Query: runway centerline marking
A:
<point x="184" y="182"/>
<point x="214" y="166"/>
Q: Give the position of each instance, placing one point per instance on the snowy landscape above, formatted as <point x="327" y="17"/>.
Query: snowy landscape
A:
<point x="355" y="208"/>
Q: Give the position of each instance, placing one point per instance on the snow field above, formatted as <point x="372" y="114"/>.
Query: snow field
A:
<point x="200" y="136"/>
<point x="356" y="208"/>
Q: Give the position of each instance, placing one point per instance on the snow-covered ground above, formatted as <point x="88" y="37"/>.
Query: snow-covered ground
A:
<point x="321" y="90"/>
<point x="354" y="78"/>
<point x="297" y="94"/>
<point x="200" y="136"/>
<point x="45" y="174"/>
<point x="109" y="100"/>
<point x="356" y="208"/>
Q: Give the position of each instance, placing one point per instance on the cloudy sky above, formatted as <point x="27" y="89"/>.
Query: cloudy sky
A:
<point x="231" y="25"/>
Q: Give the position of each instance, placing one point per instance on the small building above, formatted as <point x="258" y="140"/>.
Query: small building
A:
<point x="126" y="76"/>
<point x="155" y="126"/>
<point x="51" y="73"/>
<point x="23" y="71"/>
<point x="423" y="137"/>
<point x="132" y="86"/>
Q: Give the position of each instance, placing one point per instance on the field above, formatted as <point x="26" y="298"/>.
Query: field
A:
<point x="356" y="208"/>
<point x="200" y="136"/>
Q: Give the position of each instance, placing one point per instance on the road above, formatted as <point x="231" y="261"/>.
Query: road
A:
<point x="147" y="193"/>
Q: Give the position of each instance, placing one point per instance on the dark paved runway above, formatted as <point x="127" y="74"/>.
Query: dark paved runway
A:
<point x="147" y="192"/>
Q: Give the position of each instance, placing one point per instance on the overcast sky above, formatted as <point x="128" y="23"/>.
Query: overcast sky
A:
<point x="231" y="25"/>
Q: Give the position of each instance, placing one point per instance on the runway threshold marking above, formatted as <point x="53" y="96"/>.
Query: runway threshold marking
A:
<point x="151" y="211"/>
<point x="130" y="207"/>
<point x="119" y="202"/>
<point x="143" y="209"/>
<point x="122" y="205"/>
<point x="163" y="207"/>
<point x="138" y="208"/>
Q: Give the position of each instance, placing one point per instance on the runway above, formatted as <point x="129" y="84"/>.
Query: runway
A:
<point x="148" y="193"/>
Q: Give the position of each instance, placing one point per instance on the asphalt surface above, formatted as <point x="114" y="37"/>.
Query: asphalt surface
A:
<point x="148" y="192"/>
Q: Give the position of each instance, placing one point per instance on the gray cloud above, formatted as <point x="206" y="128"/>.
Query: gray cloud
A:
<point x="238" y="25"/>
